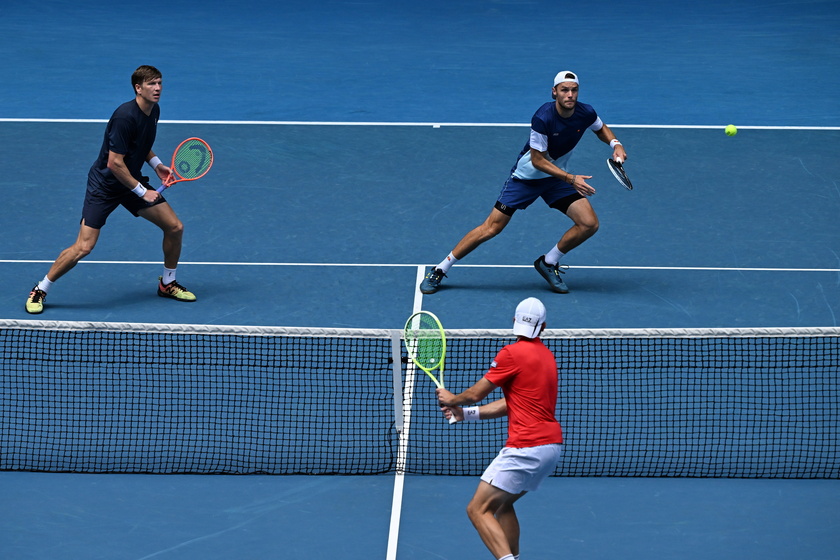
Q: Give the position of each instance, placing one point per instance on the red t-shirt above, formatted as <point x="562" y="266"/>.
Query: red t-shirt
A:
<point x="527" y="373"/>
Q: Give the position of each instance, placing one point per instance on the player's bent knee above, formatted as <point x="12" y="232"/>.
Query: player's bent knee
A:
<point x="490" y="232"/>
<point x="588" y="227"/>
<point x="82" y="250"/>
<point x="492" y="229"/>
<point x="473" y="512"/>
<point x="175" y="228"/>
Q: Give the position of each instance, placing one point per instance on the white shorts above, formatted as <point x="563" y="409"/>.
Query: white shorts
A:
<point x="516" y="470"/>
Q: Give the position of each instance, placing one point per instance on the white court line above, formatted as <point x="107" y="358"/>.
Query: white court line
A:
<point x="460" y="265"/>
<point x="402" y="451"/>
<point x="396" y="511"/>
<point x="423" y="124"/>
<point x="418" y="296"/>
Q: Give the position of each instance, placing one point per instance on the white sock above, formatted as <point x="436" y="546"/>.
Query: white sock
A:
<point x="447" y="263"/>
<point x="508" y="557"/>
<point x="553" y="257"/>
<point x="45" y="284"/>
<point x="168" y="276"/>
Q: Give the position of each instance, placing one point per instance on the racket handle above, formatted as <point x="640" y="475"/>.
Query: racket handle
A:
<point x="161" y="188"/>
<point x="619" y="160"/>
<point x="452" y="419"/>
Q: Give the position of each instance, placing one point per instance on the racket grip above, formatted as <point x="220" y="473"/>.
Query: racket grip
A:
<point x="452" y="419"/>
<point x="161" y="188"/>
<point x="619" y="160"/>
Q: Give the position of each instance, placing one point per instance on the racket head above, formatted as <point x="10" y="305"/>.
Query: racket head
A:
<point x="191" y="160"/>
<point x="618" y="172"/>
<point x="425" y="341"/>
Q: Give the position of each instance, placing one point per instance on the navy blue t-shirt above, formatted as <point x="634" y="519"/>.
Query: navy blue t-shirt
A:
<point x="131" y="133"/>
<point x="561" y="135"/>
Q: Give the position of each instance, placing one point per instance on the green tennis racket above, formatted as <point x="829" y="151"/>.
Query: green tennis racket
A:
<point x="425" y="341"/>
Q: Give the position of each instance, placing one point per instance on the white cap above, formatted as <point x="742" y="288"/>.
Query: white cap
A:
<point x="529" y="319"/>
<point x="566" y="76"/>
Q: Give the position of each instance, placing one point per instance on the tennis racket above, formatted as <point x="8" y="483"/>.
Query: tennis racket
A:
<point x="192" y="160"/>
<point x="425" y="341"/>
<point x="619" y="173"/>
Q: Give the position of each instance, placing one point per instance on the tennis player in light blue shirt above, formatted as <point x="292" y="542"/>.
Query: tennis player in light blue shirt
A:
<point x="540" y="172"/>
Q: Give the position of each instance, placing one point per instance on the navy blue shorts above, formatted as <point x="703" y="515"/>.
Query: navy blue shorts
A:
<point x="518" y="194"/>
<point x="101" y="200"/>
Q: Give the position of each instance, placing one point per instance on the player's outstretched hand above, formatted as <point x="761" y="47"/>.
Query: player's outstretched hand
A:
<point x="582" y="187"/>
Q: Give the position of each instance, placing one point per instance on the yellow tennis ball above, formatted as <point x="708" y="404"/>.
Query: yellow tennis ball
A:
<point x="731" y="130"/>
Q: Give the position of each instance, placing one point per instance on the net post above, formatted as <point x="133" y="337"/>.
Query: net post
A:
<point x="396" y="364"/>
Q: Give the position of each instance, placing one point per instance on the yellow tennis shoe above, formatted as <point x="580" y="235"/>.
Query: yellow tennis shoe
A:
<point x="174" y="290"/>
<point x="35" y="301"/>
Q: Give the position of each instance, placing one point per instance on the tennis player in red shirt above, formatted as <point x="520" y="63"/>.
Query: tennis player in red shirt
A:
<point x="527" y="373"/>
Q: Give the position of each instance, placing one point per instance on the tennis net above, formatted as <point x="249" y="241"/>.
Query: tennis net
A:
<point x="149" y="398"/>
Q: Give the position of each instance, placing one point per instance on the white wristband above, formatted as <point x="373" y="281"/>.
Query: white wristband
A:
<point x="154" y="162"/>
<point x="139" y="190"/>
<point x="470" y="413"/>
<point x="614" y="143"/>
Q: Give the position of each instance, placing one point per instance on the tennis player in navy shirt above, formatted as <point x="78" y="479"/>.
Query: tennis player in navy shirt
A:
<point x="116" y="179"/>
<point x="540" y="172"/>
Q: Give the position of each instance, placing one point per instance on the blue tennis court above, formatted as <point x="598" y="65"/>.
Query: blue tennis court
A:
<point x="355" y="144"/>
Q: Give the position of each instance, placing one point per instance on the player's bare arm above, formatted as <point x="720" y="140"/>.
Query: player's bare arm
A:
<point x="117" y="166"/>
<point x="163" y="172"/>
<point x="542" y="163"/>
<point x="477" y="392"/>
<point x="606" y="136"/>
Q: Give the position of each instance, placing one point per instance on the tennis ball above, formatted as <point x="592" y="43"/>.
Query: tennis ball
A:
<point x="731" y="130"/>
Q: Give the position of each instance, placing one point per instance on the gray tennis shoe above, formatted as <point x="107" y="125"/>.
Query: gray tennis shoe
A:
<point x="431" y="282"/>
<point x="552" y="273"/>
